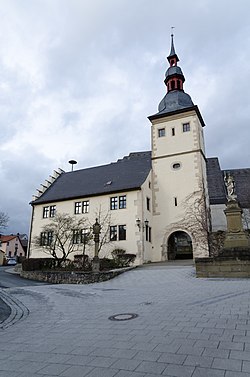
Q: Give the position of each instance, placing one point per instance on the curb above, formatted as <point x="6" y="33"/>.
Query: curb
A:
<point x="18" y="310"/>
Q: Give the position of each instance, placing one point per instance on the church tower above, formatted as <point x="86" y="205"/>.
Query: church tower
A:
<point x="179" y="184"/>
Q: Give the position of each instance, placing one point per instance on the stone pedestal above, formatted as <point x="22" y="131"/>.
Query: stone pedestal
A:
<point x="96" y="264"/>
<point x="235" y="236"/>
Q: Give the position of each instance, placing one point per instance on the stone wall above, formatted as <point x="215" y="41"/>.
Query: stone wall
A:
<point x="65" y="277"/>
<point x="231" y="264"/>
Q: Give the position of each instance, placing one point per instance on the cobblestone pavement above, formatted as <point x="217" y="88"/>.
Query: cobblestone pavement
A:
<point x="4" y="311"/>
<point x="186" y="327"/>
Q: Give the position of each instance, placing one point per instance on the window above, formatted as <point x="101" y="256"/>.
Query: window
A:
<point x="186" y="127"/>
<point x="52" y="211"/>
<point x="76" y="236"/>
<point x="113" y="233"/>
<point x="82" y="207"/>
<point x="148" y="203"/>
<point x="161" y="132"/>
<point x="173" y="131"/>
<point x="175" y="202"/>
<point x="149" y="185"/>
<point x="122" y="202"/>
<point x="113" y="202"/>
<point x="172" y="85"/>
<point x="49" y="211"/>
<point x="80" y="236"/>
<point x="46" y="238"/>
<point x="45" y="212"/>
<point x="122" y="232"/>
<point x="78" y="207"/>
<point x="176" y="166"/>
<point x="118" y="233"/>
<point x="85" y="206"/>
<point x="148" y="233"/>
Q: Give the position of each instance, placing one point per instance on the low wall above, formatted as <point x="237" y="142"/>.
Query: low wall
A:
<point x="63" y="277"/>
<point x="231" y="263"/>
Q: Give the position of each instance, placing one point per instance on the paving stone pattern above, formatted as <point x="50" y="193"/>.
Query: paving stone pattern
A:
<point x="186" y="327"/>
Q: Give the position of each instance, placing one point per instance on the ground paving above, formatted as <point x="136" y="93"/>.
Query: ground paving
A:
<point x="186" y="327"/>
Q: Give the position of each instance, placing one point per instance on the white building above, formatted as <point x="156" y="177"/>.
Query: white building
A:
<point x="161" y="202"/>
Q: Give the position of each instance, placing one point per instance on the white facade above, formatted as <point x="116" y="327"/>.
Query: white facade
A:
<point x="99" y="207"/>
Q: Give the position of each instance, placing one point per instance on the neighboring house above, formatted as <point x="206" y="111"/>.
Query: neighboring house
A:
<point x="162" y="201"/>
<point x="24" y="241"/>
<point x="2" y="256"/>
<point x="11" y="246"/>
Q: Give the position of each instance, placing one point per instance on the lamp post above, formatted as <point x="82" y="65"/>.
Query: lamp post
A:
<point x="96" y="232"/>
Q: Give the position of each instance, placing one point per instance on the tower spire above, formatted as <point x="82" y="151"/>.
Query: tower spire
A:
<point x="176" y="98"/>
<point x="172" y="57"/>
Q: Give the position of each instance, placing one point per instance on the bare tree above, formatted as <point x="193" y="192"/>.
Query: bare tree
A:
<point x="4" y="219"/>
<point x="246" y="218"/>
<point x="196" y="219"/>
<point x="61" y="237"/>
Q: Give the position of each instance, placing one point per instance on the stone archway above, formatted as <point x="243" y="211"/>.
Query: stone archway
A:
<point x="180" y="246"/>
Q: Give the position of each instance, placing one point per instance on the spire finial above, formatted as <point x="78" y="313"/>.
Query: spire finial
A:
<point x="172" y="50"/>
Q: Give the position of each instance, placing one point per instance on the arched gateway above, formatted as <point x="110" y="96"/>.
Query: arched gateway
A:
<point x="180" y="246"/>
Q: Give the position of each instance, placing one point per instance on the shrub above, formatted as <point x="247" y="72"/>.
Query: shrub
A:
<point x="108" y="264"/>
<point x="122" y="259"/>
<point x="81" y="262"/>
<point x="35" y="264"/>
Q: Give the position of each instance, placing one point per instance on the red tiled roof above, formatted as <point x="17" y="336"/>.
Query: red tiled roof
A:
<point x="7" y="238"/>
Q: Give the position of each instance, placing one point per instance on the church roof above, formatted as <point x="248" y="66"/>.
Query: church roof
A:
<point x="216" y="187"/>
<point x="128" y="173"/>
<point x="242" y="184"/>
<point x="215" y="181"/>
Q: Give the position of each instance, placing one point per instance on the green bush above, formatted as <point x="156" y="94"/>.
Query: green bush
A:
<point x="36" y="264"/>
<point x="81" y="262"/>
<point x="108" y="264"/>
<point x="122" y="259"/>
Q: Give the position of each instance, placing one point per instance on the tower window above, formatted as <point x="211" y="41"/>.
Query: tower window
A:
<point x="175" y="202"/>
<point x="176" y="166"/>
<point x="173" y="132"/>
<point x="161" y="132"/>
<point x="186" y="127"/>
<point x="178" y="84"/>
<point x="148" y="203"/>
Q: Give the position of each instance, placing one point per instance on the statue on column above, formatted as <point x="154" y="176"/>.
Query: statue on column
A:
<point x="230" y="185"/>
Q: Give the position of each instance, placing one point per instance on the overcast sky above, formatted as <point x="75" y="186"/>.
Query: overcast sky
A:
<point x="78" y="79"/>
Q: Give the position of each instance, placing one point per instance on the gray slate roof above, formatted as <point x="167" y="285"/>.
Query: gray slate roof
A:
<point x="242" y="185"/>
<point x="216" y="186"/>
<point x="126" y="174"/>
<point x="174" y="70"/>
<point x="130" y="172"/>
<point x="175" y="100"/>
